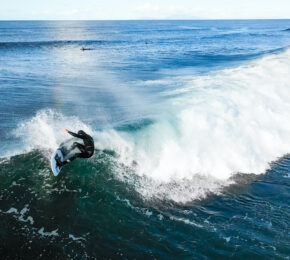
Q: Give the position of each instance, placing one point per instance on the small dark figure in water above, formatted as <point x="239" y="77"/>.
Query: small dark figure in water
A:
<point x="85" y="49"/>
<point x="87" y="149"/>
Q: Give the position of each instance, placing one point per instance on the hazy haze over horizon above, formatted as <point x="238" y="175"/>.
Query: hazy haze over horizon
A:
<point x="130" y="9"/>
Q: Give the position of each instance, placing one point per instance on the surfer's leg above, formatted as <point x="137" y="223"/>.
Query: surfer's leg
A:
<point x="70" y="159"/>
<point x="82" y="154"/>
<point x="79" y="146"/>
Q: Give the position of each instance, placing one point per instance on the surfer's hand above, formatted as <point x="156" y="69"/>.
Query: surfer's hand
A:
<point x="65" y="130"/>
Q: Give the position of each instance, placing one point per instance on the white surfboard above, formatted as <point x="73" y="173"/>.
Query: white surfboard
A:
<point x="64" y="152"/>
<point x="55" y="169"/>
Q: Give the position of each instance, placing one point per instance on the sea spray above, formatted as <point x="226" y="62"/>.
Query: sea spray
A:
<point x="44" y="131"/>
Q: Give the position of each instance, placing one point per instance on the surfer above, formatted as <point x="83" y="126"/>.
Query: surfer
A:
<point x="86" y="49"/>
<point x="87" y="149"/>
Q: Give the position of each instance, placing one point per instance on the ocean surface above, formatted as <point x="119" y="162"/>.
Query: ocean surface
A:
<point x="192" y="135"/>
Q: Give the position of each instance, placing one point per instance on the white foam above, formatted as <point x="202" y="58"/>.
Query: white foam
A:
<point x="44" y="131"/>
<point x="20" y="215"/>
<point x="12" y="210"/>
<point x="231" y="121"/>
<point x="144" y="211"/>
<point x="49" y="234"/>
<point x="28" y="219"/>
<point x="75" y="238"/>
<point x="228" y="239"/>
<point x="160" y="216"/>
<point x="186" y="221"/>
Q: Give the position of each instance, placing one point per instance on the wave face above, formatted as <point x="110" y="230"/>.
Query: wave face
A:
<point x="215" y="126"/>
<point x="192" y="135"/>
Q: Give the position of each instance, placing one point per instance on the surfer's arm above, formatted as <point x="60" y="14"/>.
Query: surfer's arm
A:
<point x="75" y="135"/>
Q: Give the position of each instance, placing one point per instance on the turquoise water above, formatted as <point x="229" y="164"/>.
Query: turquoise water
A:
<point x="192" y="136"/>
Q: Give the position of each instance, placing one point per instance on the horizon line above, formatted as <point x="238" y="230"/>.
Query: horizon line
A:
<point x="149" y="19"/>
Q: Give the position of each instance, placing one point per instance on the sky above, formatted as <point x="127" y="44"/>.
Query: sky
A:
<point x="142" y="9"/>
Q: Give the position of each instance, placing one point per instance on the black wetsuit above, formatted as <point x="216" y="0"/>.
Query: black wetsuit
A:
<point x="87" y="149"/>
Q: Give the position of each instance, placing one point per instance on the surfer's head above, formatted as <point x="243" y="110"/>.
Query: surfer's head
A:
<point x="81" y="132"/>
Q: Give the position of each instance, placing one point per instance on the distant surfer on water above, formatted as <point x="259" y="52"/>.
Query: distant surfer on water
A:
<point x="87" y="149"/>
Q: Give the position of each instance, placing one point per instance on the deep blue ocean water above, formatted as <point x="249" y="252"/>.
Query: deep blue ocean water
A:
<point x="192" y="136"/>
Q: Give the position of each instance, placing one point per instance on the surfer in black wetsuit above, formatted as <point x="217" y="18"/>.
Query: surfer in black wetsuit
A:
<point x="87" y="149"/>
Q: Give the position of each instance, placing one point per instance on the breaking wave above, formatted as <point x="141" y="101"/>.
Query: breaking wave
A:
<point x="213" y="127"/>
